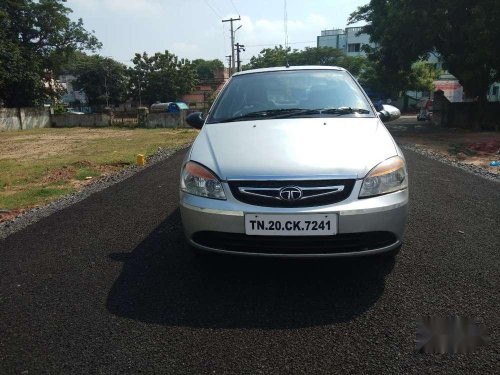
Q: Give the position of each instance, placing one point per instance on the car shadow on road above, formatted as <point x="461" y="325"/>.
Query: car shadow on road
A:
<point x="162" y="282"/>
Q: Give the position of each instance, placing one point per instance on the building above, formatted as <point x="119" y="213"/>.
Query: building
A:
<point x="70" y="95"/>
<point x="347" y="40"/>
<point x="204" y="93"/>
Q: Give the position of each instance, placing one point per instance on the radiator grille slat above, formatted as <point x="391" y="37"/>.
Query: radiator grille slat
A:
<point x="273" y="199"/>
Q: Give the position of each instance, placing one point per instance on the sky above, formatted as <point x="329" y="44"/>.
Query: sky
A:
<point x="194" y="29"/>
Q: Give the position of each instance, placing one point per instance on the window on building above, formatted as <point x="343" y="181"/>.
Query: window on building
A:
<point x="353" y="47"/>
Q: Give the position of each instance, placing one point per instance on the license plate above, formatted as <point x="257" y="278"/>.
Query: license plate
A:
<point x="291" y="225"/>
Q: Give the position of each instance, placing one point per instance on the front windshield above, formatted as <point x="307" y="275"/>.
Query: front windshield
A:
<point x="290" y="93"/>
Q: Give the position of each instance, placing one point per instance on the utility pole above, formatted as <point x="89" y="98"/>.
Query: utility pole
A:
<point x="229" y="59"/>
<point x="239" y="47"/>
<point x="140" y="97"/>
<point x="106" y="90"/>
<point x="232" y="40"/>
<point x="106" y="94"/>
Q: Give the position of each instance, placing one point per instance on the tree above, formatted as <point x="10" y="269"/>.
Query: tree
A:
<point x="269" y="57"/>
<point x="464" y="32"/>
<point x="36" y="38"/>
<point x="160" y="77"/>
<point x="206" y="68"/>
<point x="279" y="56"/>
<point x="422" y="75"/>
<point x="103" y="79"/>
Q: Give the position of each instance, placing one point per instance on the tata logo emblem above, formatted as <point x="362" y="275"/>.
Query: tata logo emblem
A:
<point x="290" y="194"/>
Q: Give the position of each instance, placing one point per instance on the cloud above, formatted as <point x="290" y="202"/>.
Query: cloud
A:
<point x="189" y="50"/>
<point x="136" y="8"/>
<point x="267" y="32"/>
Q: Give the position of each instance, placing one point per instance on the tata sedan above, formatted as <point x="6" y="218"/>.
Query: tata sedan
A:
<point x="294" y="162"/>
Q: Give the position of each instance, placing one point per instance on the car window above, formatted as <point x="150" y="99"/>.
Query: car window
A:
<point x="288" y="90"/>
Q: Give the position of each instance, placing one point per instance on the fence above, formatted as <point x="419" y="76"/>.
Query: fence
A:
<point x="30" y="118"/>
<point x="125" y="119"/>
<point x="166" y="120"/>
<point x="24" y="118"/>
<point x="70" y="120"/>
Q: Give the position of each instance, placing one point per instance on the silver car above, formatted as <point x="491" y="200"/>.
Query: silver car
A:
<point x="294" y="162"/>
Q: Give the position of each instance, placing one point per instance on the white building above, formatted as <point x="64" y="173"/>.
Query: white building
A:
<point x="346" y="40"/>
<point x="71" y="95"/>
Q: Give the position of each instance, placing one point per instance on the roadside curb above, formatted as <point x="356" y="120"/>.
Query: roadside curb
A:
<point x="37" y="213"/>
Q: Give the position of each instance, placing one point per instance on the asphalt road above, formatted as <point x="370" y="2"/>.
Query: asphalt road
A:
<point x="107" y="286"/>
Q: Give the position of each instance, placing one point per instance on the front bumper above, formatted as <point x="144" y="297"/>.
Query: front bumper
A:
<point x="384" y="214"/>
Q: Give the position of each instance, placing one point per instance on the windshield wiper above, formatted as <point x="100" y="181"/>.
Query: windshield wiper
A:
<point x="257" y="114"/>
<point x="329" y="111"/>
<point x="299" y="112"/>
<point x="344" y="111"/>
<point x="293" y="112"/>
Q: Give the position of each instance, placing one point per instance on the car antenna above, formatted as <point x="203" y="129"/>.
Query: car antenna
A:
<point x="285" y="27"/>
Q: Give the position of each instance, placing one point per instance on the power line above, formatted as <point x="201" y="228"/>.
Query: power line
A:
<point x="224" y="36"/>
<point x="213" y="9"/>
<point x="285" y="21"/>
<point x="276" y="44"/>
<point x="234" y="6"/>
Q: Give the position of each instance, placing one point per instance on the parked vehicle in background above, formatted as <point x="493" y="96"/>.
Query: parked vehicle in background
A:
<point x="172" y="107"/>
<point x="74" y="111"/>
<point x="425" y="112"/>
<point x="294" y="162"/>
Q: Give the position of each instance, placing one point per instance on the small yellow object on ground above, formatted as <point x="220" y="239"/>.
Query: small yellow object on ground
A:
<point x="140" y="160"/>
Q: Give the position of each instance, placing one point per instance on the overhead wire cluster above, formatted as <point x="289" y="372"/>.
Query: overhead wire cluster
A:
<point x="216" y="11"/>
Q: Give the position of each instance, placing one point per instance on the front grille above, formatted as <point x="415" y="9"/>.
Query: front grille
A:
<point x="310" y="187"/>
<point x="340" y="243"/>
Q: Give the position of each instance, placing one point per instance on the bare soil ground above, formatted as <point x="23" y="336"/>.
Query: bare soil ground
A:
<point x="470" y="147"/>
<point x="39" y="165"/>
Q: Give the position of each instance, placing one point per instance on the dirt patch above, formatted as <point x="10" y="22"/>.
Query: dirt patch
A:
<point x="6" y="215"/>
<point x="60" y="174"/>
<point x="475" y="148"/>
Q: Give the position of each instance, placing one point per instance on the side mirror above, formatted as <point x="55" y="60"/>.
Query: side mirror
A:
<point x="389" y="113"/>
<point x="195" y="120"/>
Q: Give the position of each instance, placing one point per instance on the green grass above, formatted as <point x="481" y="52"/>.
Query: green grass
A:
<point x="31" y="160"/>
<point x="25" y="198"/>
<point x="85" y="172"/>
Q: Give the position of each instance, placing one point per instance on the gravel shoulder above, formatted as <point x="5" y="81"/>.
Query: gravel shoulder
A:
<point x="470" y="168"/>
<point x="471" y="151"/>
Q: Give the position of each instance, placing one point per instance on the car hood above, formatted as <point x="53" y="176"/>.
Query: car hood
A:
<point x="304" y="147"/>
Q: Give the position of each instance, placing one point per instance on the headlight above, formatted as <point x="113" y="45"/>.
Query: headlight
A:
<point x="198" y="180"/>
<point x="388" y="176"/>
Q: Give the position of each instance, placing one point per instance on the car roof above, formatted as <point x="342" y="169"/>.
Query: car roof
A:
<point x="283" y="68"/>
